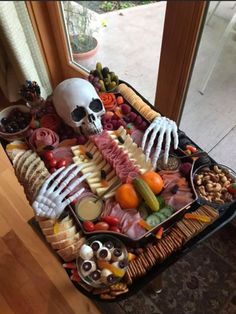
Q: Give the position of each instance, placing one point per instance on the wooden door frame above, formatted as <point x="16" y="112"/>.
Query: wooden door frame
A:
<point x="184" y="21"/>
<point x="182" y="29"/>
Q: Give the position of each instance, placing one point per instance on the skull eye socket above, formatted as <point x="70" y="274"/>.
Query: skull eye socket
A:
<point x="95" y="105"/>
<point x="78" y="113"/>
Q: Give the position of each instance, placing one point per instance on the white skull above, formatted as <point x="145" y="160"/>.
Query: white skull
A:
<point x="78" y="104"/>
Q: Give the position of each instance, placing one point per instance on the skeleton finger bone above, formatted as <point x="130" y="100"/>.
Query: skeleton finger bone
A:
<point x="74" y="184"/>
<point x="69" y="178"/>
<point x="151" y="141"/>
<point x="72" y="198"/>
<point x="159" y="145"/>
<point x="49" y="180"/>
<point x="167" y="147"/>
<point x="59" y="179"/>
<point x="149" y="129"/>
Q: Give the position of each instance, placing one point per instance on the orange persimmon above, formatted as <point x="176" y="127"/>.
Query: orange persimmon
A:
<point x="154" y="181"/>
<point x="127" y="197"/>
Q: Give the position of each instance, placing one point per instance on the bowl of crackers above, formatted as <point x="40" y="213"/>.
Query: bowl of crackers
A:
<point x="215" y="185"/>
<point x="102" y="261"/>
<point x="14" y="122"/>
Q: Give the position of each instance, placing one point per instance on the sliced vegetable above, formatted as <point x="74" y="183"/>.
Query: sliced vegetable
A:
<point x="161" y="216"/>
<point x="191" y="148"/>
<point x="153" y="220"/>
<point x="146" y="193"/>
<point x="167" y="211"/>
<point x="159" y="233"/>
<point x="197" y="217"/>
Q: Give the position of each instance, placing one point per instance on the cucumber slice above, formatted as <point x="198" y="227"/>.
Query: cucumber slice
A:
<point x="161" y="216"/>
<point x="161" y="201"/>
<point x="167" y="211"/>
<point x="153" y="220"/>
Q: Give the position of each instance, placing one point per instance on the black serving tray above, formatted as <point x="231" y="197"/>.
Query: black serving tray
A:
<point x="226" y="215"/>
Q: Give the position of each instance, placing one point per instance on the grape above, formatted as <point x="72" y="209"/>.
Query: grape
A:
<point x="132" y="116"/>
<point x="96" y="79"/>
<point x="143" y="126"/>
<point x="108" y="126"/>
<point x="125" y="109"/>
<point x="138" y="120"/>
<point x="115" y="124"/>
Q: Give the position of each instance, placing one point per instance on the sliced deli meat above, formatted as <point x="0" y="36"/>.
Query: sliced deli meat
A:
<point x="43" y="137"/>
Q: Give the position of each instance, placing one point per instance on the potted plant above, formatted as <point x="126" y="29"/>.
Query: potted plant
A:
<point x="78" y="19"/>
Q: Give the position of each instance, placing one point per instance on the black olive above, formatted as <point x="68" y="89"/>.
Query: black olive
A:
<point x="4" y="121"/>
<point x="103" y="174"/>
<point x="117" y="252"/>
<point x="89" y="155"/>
<point x="110" y="278"/>
<point x="87" y="266"/>
<point x="109" y="245"/>
<point x="96" y="275"/>
<point x="121" y="140"/>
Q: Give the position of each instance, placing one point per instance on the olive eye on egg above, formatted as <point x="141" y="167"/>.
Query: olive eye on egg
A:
<point x="95" y="105"/>
<point x="78" y="114"/>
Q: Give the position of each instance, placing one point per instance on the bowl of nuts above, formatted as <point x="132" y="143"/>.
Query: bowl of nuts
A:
<point x="14" y="122"/>
<point x="214" y="185"/>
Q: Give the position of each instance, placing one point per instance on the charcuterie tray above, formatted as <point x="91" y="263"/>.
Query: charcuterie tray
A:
<point x="170" y="224"/>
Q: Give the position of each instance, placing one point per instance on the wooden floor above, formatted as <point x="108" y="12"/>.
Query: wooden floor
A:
<point x="31" y="278"/>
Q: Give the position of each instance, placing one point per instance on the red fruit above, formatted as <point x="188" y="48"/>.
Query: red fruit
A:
<point x="88" y="226"/>
<point x="115" y="124"/>
<point x="51" y="170"/>
<point x="81" y="140"/>
<point x="138" y="120"/>
<point x="120" y="100"/>
<point x="102" y="225"/>
<point x="125" y="109"/>
<point x="132" y="116"/>
<point x="112" y="221"/>
<point x="53" y="163"/>
<point x="108" y="126"/>
<point x="143" y="126"/>
<point x="232" y="188"/>
<point x="48" y="155"/>
<point x="61" y="163"/>
<point x="115" y="229"/>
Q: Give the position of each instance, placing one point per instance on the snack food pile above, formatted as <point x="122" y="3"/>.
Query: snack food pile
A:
<point x="84" y="172"/>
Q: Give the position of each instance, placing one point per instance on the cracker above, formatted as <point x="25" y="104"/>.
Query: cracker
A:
<point x="118" y="286"/>
<point x="115" y="293"/>
<point x="106" y="296"/>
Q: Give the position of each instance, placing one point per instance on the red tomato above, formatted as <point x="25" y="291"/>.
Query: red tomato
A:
<point x="88" y="226"/>
<point x="52" y="170"/>
<point x="112" y="221"/>
<point x="102" y="225"/>
<point x="53" y="163"/>
<point x="114" y="229"/>
<point x="61" y="163"/>
<point x="48" y="155"/>
<point x="120" y="100"/>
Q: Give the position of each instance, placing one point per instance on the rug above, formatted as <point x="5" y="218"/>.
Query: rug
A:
<point x="202" y="282"/>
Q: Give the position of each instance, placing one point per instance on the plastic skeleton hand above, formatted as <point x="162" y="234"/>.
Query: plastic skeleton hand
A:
<point x="51" y="201"/>
<point x="163" y="126"/>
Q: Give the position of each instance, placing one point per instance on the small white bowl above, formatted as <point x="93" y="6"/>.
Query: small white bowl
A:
<point x="17" y="135"/>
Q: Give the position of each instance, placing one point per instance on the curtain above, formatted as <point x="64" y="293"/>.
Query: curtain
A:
<point x="20" y="56"/>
